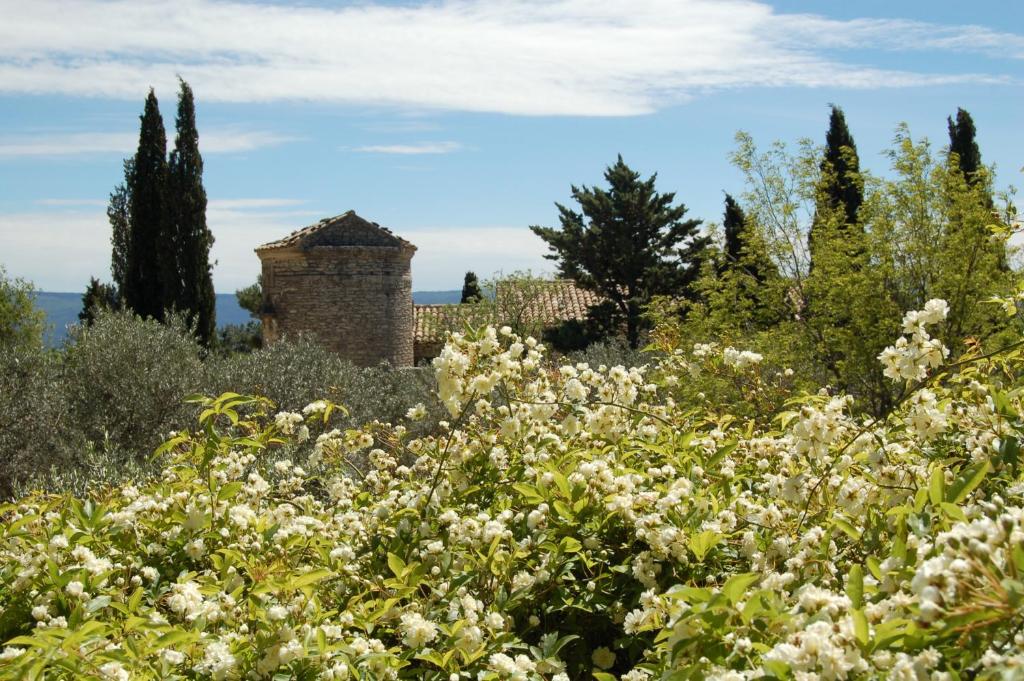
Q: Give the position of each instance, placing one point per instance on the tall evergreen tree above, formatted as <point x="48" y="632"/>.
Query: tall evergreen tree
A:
<point x="744" y="251"/>
<point x="963" y="144"/>
<point x="628" y="243"/>
<point x="98" y="296"/>
<point x="188" y="282"/>
<point x="471" y="292"/>
<point x="119" y="214"/>
<point x="841" y="192"/>
<point x="147" y="252"/>
<point x="732" y="224"/>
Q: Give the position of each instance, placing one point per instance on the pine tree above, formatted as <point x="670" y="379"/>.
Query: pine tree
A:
<point x="98" y="296"/>
<point x="147" y="255"/>
<point x="746" y="272"/>
<point x="118" y="212"/>
<point x="732" y="224"/>
<point x="471" y="292"/>
<point x="188" y="282"/>
<point x="841" y="191"/>
<point x="628" y="243"/>
<point x="963" y="144"/>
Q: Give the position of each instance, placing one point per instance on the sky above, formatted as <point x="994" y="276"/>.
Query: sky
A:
<point x="458" y="124"/>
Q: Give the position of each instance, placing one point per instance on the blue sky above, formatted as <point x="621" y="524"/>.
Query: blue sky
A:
<point x="458" y="124"/>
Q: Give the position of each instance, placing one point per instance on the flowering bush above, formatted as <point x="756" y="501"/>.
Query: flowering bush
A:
<point x="577" y="522"/>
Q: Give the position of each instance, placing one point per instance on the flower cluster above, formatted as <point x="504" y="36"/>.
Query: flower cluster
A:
<point x="569" y="521"/>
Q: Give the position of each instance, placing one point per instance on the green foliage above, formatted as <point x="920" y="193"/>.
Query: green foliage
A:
<point x="923" y="232"/>
<point x="842" y="189"/>
<point x="36" y="431"/>
<point x="566" y="524"/>
<point x="963" y="144"/>
<point x="119" y="215"/>
<point x="96" y="409"/>
<point x="628" y="243"/>
<point x="239" y="338"/>
<point x="21" y="323"/>
<point x="126" y="380"/>
<point x="160" y="241"/>
<point x="471" y="292"/>
<point x="150" y="264"/>
<point x="250" y="298"/>
<point x="98" y="296"/>
<point x="187" y="232"/>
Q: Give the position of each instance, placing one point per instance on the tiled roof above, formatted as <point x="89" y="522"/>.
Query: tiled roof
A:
<point x="558" y="301"/>
<point x="544" y="303"/>
<point x="343" y="221"/>
<point x="430" y="322"/>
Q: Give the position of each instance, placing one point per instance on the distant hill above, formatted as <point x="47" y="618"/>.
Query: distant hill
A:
<point x="62" y="308"/>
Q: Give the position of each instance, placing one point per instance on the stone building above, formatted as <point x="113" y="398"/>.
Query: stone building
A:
<point x="345" y="280"/>
<point x="348" y="282"/>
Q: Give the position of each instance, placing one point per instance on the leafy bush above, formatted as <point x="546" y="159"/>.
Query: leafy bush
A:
<point x="294" y="373"/>
<point x="97" y="409"/>
<point x="126" y="381"/>
<point x="567" y="524"/>
<point x="35" y="423"/>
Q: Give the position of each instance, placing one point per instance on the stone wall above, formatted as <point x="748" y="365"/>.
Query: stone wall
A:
<point x="357" y="300"/>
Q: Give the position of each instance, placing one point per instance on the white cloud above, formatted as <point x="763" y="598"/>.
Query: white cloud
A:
<point x="443" y="255"/>
<point x="80" y="241"/>
<point x="223" y="141"/>
<point x="411" y="149"/>
<point x="561" y="57"/>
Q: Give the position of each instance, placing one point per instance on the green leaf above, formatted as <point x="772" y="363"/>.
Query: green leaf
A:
<point x="396" y="564"/>
<point x="776" y="668"/>
<point x="314" y="577"/>
<point x="529" y="492"/>
<point x="229" y="490"/>
<point x="570" y="545"/>
<point x="855" y="586"/>
<point x="874" y="566"/>
<point x="969" y="479"/>
<point x="737" y="585"/>
<point x="937" y="486"/>
<point x="860" y="626"/>
<point x="702" y="542"/>
<point x="174" y="638"/>
<point x="846" y="527"/>
<point x="97" y="603"/>
<point x="604" y="676"/>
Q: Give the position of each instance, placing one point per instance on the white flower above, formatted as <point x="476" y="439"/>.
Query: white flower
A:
<point x="417" y="631"/>
<point x="75" y="589"/>
<point x="114" y="671"/>
<point x="416" y="412"/>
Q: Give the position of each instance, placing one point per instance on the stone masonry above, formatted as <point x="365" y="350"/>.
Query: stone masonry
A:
<point x="348" y="282"/>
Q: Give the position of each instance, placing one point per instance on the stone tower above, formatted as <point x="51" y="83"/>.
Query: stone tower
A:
<point x="347" y="281"/>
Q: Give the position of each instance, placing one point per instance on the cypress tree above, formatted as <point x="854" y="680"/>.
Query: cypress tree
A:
<point x="118" y="212"/>
<point x="732" y="223"/>
<point x="471" y="292"/>
<point x="841" y="192"/>
<point x="963" y="144"/>
<point x="188" y="279"/>
<point x="98" y="296"/>
<point x="146" y="251"/>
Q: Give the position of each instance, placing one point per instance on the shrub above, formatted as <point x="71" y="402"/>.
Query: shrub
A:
<point x="567" y="524"/>
<point x="35" y="423"/>
<point x="126" y="381"/>
<point x="296" y="372"/>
